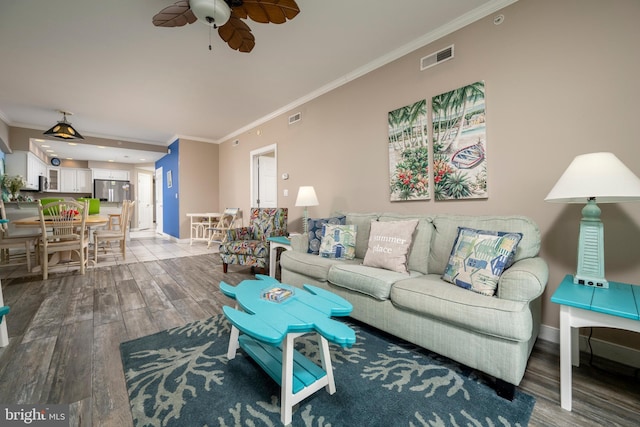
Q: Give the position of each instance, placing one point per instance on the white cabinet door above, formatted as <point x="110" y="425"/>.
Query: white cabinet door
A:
<point x="67" y="180"/>
<point x="53" y="175"/>
<point x="75" y="180"/>
<point x="27" y="165"/>
<point x="115" y="174"/>
<point x="84" y="182"/>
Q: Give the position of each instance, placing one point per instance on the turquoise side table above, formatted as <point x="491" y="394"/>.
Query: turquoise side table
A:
<point x="588" y="306"/>
<point x="270" y="328"/>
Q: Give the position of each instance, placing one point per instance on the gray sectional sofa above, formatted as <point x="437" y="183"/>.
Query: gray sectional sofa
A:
<point x="494" y="335"/>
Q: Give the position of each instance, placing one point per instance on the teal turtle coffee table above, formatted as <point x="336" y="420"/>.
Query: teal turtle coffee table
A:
<point x="271" y="315"/>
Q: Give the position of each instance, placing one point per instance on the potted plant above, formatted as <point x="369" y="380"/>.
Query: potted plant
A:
<point x="13" y="184"/>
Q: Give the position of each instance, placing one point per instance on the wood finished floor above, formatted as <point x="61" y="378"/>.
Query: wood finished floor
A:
<point x="65" y="334"/>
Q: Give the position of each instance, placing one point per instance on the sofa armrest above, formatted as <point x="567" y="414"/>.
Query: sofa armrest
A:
<point x="299" y="242"/>
<point x="525" y="280"/>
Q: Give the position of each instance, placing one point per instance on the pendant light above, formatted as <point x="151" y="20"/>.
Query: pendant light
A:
<point x="63" y="129"/>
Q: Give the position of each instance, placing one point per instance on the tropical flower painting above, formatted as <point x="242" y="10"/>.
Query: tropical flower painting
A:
<point x="409" y="153"/>
<point x="459" y="144"/>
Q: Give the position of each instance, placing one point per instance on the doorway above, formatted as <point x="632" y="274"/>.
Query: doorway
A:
<point x="145" y="200"/>
<point x="264" y="181"/>
<point x="159" y="205"/>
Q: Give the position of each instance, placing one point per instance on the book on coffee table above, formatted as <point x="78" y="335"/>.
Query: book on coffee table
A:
<point x="276" y="294"/>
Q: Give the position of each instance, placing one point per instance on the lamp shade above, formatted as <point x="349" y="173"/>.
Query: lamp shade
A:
<point x="211" y="12"/>
<point x="63" y="129"/>
<point x="307" y="197"/>
<point x="596" y="175"/>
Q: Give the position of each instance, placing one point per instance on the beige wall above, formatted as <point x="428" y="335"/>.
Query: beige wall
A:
<point x="561" y="80"/>
<point x="199" y="181"/>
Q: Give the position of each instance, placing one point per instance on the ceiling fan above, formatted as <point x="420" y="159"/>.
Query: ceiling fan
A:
<point x="226" y="16"/>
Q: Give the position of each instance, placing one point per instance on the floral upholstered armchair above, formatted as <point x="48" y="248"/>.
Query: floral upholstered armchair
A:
<point x="249" y="245"/>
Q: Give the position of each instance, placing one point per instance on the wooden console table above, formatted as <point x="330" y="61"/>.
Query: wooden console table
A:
<point x="587" y="306"/>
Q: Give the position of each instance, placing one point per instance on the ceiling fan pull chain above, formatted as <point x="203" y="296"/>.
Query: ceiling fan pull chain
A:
<point x="209" y="38"/>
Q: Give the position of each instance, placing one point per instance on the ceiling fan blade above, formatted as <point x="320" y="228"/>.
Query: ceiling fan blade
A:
<point x="237" y="34"/>
<point x="176" y="15"/>
<point x="265" y="11"/>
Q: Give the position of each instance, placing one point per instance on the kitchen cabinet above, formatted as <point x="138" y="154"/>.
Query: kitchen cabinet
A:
<point x="53" y="179"/>
<point x="114" y="174"/>
<point x="27" y="165"/>
<point x="75" y="180"/>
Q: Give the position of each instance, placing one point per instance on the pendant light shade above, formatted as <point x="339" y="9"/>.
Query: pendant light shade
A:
<point x="63" y="129"/>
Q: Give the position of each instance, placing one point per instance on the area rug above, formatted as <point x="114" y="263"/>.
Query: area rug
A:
<point x="182" y="377"/>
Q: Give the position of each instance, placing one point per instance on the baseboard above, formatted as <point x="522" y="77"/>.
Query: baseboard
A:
<point x="618" y="353"/>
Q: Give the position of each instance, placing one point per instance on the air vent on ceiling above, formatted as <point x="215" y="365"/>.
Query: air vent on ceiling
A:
<point x="436" y="58"/>
<point x="295" y="118"/>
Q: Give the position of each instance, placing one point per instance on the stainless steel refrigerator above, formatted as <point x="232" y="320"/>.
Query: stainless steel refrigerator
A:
<point x="111" y="191"/>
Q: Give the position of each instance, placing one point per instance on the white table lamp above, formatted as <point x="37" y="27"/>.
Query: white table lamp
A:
<point x="306" y="197"/>
<point x="600" y="177"/>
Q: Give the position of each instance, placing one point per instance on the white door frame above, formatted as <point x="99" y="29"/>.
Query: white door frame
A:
<point x="253" y="166"/>
<point x="159" y="202"/>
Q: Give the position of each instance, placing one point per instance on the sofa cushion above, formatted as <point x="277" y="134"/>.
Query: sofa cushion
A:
<point x="371" y="281"/>
<point x="363" y="221"/>
<point x="310" y="265"/>
<point x="446" y="230"/>
<point x="479" y="257"/>
<point x="435" y="298"/>
<point x="338" y="241"/>
<point x="421" y="243"/>
<point x="315" y="230"/>
<point x="389" y="244"/>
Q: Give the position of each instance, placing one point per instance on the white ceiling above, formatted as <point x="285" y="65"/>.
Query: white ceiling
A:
<point x="127" y="80"/>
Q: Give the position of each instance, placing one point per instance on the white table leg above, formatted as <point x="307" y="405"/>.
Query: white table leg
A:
<point x="273" y="253"/>
<point x="234" y="345"/>
<point x="566" y="342"/>
<point x="325" y="358"/>
<point x="4" y="335"/>
<point x="286" y="394"/>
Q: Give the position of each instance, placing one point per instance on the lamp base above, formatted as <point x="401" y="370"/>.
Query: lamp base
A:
<point x="590" y="270"/>
<point x="598" y="282"/>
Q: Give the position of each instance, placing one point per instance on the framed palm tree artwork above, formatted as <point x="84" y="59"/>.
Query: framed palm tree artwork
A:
<point x="459" y="143"/>
<point x="409" y="152"/>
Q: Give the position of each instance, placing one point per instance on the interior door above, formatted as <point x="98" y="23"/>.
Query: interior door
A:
<point x="159" y="205"/>
<point x="145" y="201"/>
<point x="264" y="182"/>
<point x="267" y="182"/>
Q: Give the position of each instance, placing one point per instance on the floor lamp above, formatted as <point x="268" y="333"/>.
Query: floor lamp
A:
<point x="591" y="178"/>
<point x="306" y="197"/>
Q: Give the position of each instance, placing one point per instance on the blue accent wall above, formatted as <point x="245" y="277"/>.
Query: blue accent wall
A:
<point x="170" y="200"/>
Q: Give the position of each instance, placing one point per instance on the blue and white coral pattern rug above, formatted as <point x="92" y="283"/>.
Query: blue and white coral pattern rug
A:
<point x="182" y="377"/>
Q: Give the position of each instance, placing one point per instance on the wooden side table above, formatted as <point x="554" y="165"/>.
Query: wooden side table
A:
<point x="274" y="244"/>
<point x="587" y="306"/>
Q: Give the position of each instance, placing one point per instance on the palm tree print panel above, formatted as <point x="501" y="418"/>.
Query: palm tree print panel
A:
<point x="409" y="153"/>
<point x="460" y="143"/>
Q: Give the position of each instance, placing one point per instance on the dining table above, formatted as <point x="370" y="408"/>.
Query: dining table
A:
<point x="34" y="222"/>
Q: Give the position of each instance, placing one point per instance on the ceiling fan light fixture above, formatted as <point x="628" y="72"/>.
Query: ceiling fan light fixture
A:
<point x="214" y="13"/>
<point x="63" y="129"/>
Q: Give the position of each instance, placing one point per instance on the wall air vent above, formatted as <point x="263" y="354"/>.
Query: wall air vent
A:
<point x="436" y="58"/>
<point x="295" y="118"/>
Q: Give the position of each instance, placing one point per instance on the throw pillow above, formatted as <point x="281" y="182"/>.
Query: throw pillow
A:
<point x="479" y="257"/>
<point x="389" y="244"/>
<point x="315" y="231"/>
<point x="338" y="241"/>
